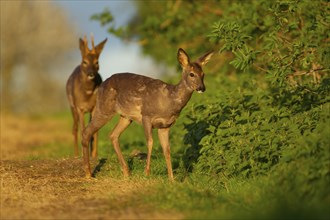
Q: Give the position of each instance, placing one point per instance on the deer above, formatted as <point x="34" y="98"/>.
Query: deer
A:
<point x="151" y="102"/>
<point x="81" y="89"/>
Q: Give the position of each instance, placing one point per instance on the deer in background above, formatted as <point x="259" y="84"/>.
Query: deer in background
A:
<point x="150" y="102"/>
<point x="81" y="89"/>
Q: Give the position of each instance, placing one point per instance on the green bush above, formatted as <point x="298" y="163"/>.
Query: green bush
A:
<point x="265" y="123"/>
<point x="284" y="38"/>
<point x="249" y="130"/>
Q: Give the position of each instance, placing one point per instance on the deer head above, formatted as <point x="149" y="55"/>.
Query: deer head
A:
<point x="90" y="58"/>
<point x="192" y="72"/>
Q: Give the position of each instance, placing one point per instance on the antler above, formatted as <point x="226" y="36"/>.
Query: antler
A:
<point x="86" y="44"/>
<point x="93" y="45"/>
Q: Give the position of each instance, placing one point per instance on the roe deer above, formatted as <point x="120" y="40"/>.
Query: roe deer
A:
<point x="150" y="102"/>
<point x="81" y="89"/>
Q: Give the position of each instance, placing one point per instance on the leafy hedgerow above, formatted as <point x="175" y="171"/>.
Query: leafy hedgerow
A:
<point x="256" y="129"/>
<point x="283" y="39"/>
<point x="272" y="120"/>
<point x="248" y="132"/>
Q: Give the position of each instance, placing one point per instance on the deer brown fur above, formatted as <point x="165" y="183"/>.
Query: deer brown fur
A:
<point x="150" y="102"/>
<point x="81" y="89"/>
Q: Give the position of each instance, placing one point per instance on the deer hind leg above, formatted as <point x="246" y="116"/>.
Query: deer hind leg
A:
<point x="75" y="131"/>
<point x="95" y="124"/>
<point x="163" y="135"/>
<point x="114" y="136"/>
<point x="148" y="133"/>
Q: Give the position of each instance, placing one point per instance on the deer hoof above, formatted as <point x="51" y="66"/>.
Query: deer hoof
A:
<point x="126" y="173"/>
<point x="88" y="176"/>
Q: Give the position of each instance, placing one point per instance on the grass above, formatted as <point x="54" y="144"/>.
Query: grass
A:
<point x="200" y="197"/>
<point x="39" y="178"/>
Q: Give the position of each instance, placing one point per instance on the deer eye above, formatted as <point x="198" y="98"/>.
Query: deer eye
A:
<point x="191" y="74"/>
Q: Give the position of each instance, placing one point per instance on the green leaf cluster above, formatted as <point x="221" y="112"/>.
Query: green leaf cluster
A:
<point x="281" y="38"/>
<point x="251" y="125"/>
<point x="284" y="39"/>
<point x="252" y="131"/>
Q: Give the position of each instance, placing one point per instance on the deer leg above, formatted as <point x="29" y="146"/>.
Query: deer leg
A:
<point x="94" y="145"/>
<point x="163" y="135"/>
<point x="82" y="125"/>
<point x="96" y="123"/>
<point x="75" y="131"/>
<point x="94" y="139"/>
<point x="81" y="120"/>
<point x="114" y="136"/>
<point x="148" y="133"/>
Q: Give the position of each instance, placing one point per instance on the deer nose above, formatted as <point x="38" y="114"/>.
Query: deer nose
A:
<point x="201" y="89"/>
<point x="91" y="74"/>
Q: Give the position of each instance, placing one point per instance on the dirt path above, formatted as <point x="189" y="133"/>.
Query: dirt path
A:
<point x="56" y="189"/>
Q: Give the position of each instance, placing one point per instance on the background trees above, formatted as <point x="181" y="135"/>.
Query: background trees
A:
<point x="36" y="38"/>
<point x="282" y="39"/>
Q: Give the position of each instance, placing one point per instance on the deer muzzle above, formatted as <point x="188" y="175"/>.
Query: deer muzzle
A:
<point x="201" y="89"/>
<point x="91" y="74"/>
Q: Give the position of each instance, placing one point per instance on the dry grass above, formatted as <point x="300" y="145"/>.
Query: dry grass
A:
<point x="56" y="189"/>
<point x="23" y="137"/>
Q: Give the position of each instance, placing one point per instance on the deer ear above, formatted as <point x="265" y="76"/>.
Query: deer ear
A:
<point x="82" y="47"/>
<point x="205" y="58"/>
<point x="183" y="58"/>
<point x="99" y="47"/>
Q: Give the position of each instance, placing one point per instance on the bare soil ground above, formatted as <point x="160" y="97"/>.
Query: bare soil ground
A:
<point x="56" y="188"/>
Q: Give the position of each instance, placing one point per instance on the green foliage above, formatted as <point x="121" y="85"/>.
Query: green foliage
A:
<point x="246" y="131"/>
<point x="281" y="38"/>
<point x="260" y="126"/>
<point x="106" y="18"/>
<point x="161" y="27"/>
<point x="252" y="133"/>
<point x="284" y="38"/>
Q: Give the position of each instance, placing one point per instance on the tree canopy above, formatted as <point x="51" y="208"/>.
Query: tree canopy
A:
<point x="282" y="39"/>
<point x="32" y="44"/>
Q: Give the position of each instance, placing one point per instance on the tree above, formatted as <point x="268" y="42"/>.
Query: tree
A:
<point x="284" y="38"/>
<point x="35" y="38"/>
<point x="161" y="27"/>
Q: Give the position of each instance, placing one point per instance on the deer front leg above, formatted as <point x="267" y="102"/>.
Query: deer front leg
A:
<point x="94" y="146"/>
<point x="95" y="124"/>
<point x="148" y="133"/>
<point x="82" y="125"/>
<point x="114" y="136"/>
<point x="163" y="135"/>
<point x="75" y="131"/>
<point x="95" y="139"/>
<point x="80" y="114"/>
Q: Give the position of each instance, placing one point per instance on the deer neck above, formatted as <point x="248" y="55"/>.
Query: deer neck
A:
<point x="89" y="84"/>
<point x="182" y="93"/>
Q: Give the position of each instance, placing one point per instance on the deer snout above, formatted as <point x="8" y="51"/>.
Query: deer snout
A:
<point x="201" y="89"/>
<point x="92" y="72"/>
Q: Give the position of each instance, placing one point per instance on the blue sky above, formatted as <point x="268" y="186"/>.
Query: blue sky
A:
<point x="117" y="56"/>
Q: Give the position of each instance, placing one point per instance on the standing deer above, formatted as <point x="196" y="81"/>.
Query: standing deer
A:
<point x="150" y="102"/>
<point x="81" y="89"/>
